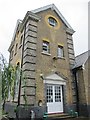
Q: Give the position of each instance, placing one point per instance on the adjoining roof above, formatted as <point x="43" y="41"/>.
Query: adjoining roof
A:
<point x="53" y="7"/>
<point x="16" y="28"/>
<point x="81" y="59"/>
<point x="20" y="24"/>
<point x="14" y="34"/>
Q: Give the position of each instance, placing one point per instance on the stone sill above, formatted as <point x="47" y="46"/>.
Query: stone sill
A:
<point x="61" y="58"/>
<point x="46" y="54"/>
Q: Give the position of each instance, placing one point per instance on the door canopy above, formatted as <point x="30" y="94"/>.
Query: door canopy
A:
<point x="55" y="79"/>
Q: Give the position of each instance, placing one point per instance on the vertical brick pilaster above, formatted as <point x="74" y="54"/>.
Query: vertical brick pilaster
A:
<point x="29" y="62"/>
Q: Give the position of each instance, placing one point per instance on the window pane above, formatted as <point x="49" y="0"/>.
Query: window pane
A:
<point x="57" y="94"/>
<point x="52" y="21"/>
<point x="46" y="47"/>
<point x="49" y="93"/>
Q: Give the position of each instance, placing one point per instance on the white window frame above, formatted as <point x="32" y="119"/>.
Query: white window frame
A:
<point x="60" y="51"/>
<point x="46" y="46"/>
<point x="52" y="21"/>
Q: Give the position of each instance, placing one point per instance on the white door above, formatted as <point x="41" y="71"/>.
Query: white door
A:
<point x="54" y="99"/>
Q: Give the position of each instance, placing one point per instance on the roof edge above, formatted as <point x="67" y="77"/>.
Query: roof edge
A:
<point x="80" y="65"/>
<point x="28" y="15"/>
<point x="14" y="34"/>
<point x="53" y="7"/>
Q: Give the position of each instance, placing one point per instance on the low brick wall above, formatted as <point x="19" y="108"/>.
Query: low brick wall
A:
<point x="24" y="112"/>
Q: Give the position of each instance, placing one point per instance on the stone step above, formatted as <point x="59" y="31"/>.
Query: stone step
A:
<point x="58" y="116"/>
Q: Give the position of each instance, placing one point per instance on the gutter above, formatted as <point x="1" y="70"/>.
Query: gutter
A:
<point x="21" y="67"/>
<point x="76" y="90"/>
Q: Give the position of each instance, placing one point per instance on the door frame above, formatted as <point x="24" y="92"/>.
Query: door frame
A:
<point x="54" y="79"/>
<point x="53" y="104"/>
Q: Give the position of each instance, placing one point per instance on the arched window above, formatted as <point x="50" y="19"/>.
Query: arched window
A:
<point x="17" y="82"/>
<point x="16" y="47"/>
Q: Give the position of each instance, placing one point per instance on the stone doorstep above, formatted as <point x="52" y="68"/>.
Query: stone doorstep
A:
<point x="59" y="116"/>
<point x="68" y="118"/>
<point x="79" y="118"/>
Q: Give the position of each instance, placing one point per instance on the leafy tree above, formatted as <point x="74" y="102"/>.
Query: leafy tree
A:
<point x="8" y="77"/>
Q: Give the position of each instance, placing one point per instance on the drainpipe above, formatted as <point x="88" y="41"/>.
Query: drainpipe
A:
<point x="76" y="89"/>
<point x="21" y="66"/>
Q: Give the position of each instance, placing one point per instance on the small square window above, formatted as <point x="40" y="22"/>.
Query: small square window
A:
<point x="60" y="51"/>
<point x="46" y="47"/>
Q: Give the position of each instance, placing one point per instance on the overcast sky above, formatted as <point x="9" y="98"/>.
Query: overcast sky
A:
<point x="74" y="11"/>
